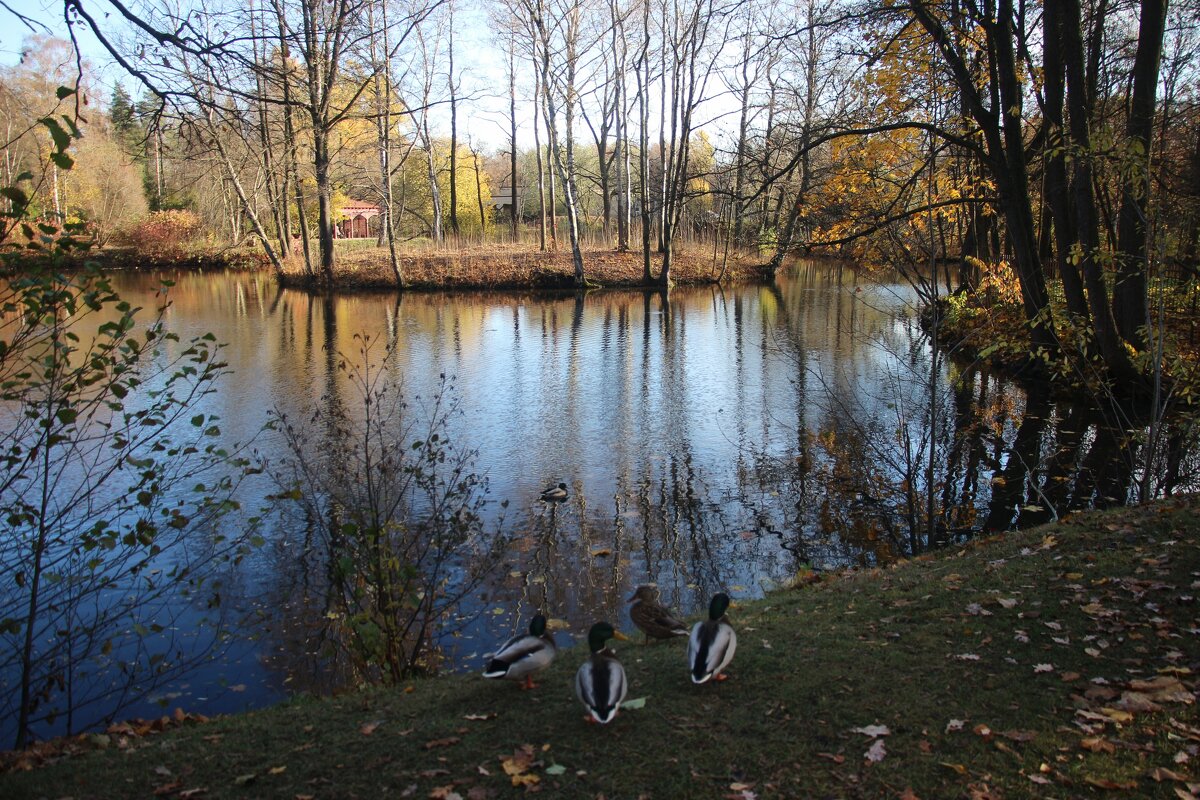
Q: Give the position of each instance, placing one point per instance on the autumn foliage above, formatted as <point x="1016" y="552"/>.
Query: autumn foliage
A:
<point x="164" y="234"/>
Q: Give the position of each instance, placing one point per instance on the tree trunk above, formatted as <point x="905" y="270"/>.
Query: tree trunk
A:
<point x="514" y="209"/>
<point x="1129" y="291"/>
<point x="453" y="134"/>
<point x="537" y="149"/>
<point x="1084" y="199"/>
<point x="1056" y="167"/>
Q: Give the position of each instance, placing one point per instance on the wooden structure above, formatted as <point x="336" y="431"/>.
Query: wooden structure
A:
<point x="356" y="220"/>
<point x="502" y="198"/>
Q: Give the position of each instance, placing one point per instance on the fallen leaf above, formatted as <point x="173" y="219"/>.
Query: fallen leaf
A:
<point x="1019" y="736"/>
<point x="955" y="725"/>
<point x="277" y="770"/>
<point x="982" y="730"/>
<point x="447" y="742"/>
<point x="1117" y="715"/>
<point x="242" y="780"/>
<point x="1160" y="774"/>
<point x="1097" y="744"/>
<point x="872" y="730"/>
<point x="444" y="793"/>
<point x="1109" y="783"/>
<point x="959" y="768"/>
<point x="367" y="728"/>
<point x="637" y="703"/>
<point x="834" y="757"/>
<point x="1069" y="677"/>
<point x="555" y="769"/>
<point x="1039" y="668"/>
<point x="876" y="752"/>
<point x="480" y="717"/>
<point x="1136" y="702"/>
<point x="909" y="794"/>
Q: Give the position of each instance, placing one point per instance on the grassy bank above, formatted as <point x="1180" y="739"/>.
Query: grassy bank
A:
<point x="502" y="266"/>
<point x="1059" y="662"/>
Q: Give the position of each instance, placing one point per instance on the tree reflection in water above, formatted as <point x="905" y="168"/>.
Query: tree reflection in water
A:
<point x="716" y="438"/>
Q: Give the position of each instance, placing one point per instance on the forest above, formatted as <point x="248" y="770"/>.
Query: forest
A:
<point x="1058" y="143"/>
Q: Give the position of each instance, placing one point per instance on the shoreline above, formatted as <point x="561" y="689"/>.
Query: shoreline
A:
<point x="1028" y="662"/>
<point x="509" y="267"/>
<point x="474" y="268"/>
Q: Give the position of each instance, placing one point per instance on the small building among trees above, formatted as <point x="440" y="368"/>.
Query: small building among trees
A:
<point x="356" y="220"/>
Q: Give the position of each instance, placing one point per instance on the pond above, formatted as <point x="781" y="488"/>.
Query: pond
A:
<point x="719" y="438"/>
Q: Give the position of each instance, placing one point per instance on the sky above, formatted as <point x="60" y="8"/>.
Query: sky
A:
<point x="483" y="120"/>
<point x="483" y="67"/>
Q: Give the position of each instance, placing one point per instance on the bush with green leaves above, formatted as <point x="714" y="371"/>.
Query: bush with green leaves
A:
<point x="113" y="482"/>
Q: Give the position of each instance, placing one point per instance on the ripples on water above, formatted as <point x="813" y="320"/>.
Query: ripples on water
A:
<point x="724" y="438"/>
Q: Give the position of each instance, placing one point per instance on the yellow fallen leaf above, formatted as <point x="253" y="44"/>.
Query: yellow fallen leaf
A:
<point x="1116" y="714"/>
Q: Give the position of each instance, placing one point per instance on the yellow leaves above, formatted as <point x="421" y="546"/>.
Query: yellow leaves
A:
<point x="1097" y="744"/>
<point x="517" y="766"/>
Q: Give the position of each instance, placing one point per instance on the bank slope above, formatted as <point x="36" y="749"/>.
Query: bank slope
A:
<point x="1056" y="662"/>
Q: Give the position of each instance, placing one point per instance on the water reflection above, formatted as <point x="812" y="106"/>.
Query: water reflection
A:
<point x="712" y="438"/>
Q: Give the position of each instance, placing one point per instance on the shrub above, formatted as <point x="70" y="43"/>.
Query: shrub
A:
<point x="164" y="234"/>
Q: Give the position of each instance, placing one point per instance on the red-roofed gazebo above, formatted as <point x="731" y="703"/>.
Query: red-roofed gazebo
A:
<point x="356" y="217"/>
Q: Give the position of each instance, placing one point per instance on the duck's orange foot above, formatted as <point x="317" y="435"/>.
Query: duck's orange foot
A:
<point x="720" y="676"/>
<point x="589" y="719"/>
<point x="529" y="684"/>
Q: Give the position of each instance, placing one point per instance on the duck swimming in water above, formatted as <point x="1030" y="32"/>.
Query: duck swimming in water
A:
<point x="554" y="494"/>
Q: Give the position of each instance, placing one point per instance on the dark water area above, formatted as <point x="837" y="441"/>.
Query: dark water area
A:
<point x="713" y="439"/>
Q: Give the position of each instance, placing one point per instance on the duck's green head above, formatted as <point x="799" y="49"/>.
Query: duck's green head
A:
<point x="600" y="633"/>
<point x="718" y="606"/>
<point x="537" y="626"/>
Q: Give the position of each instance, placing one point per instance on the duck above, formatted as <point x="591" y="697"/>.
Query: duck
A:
<point x="652" y="617"/>
<point x="600" y="682"/>
<point x="524" y="655"/>
<point x="712" y="643"/>
<point x="554" y="494"/>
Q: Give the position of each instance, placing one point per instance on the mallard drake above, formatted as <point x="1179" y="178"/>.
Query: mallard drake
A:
<point x="554" y="494"/>
<point x="654" y="619"/>
<point x="600" y="682"/>
<point x="522" y="656"/>
<point x="712" y="643"/>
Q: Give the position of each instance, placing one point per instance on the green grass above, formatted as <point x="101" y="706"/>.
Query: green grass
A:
<point x="914" y="647"/>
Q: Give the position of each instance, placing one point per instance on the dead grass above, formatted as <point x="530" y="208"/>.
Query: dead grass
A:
<point x="500" y="266"/>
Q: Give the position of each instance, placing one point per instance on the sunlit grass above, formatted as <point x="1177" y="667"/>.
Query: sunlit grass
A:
<point x="1007" y="668"/>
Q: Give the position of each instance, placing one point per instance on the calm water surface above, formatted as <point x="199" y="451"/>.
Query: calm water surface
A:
<point x="721" y="438"/>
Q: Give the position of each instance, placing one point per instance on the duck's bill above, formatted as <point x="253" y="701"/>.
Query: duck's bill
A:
<point x="620" y="636"/>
